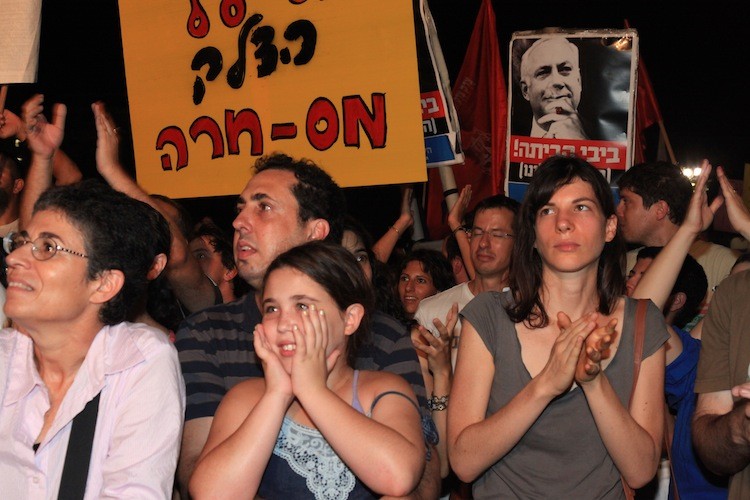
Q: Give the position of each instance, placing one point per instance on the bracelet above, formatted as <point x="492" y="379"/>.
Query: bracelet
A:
<point x="438" y="403"/>
<point x="459" y="228"/>
<point x="396" y="229"/>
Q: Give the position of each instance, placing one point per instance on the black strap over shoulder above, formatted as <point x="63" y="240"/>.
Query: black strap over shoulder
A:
<point x="386" y="393"/>
<point x="78" y="456"/>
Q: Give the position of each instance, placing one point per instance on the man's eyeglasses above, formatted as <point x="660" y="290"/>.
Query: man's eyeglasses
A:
<point x="494" y="233"/>
<point x="42" y="248"/>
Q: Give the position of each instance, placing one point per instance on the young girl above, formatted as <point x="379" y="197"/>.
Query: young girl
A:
<point x="539" y="405"/>
<point x="313" y="427"/>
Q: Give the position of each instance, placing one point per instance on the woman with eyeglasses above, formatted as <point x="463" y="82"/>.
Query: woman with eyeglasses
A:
<point x="90" y="406"/>
<point x="540" y="397"/>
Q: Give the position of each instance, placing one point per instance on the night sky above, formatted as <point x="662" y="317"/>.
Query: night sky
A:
<point x="696" y="58"/>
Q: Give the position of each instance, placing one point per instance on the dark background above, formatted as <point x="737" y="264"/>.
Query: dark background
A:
<point x="696" y="57"/>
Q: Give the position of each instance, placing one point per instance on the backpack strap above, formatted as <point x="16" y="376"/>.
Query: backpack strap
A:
<point x="78" y="456"/>
<point x="638" y="337"/>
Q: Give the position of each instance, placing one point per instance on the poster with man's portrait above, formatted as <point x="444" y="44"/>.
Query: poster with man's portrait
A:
<point x="571" y="92"/>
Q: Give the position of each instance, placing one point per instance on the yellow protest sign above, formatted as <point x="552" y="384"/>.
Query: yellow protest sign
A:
<point x="214" y="84"/>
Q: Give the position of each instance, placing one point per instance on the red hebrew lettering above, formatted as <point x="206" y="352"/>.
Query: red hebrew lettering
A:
<point x="174" y="136"/>
<point x="373" y="123"/>
<point x="245" y="121"/>
<point x="207" y="125"/>
<point x="281" y="131"/>
<point x="232" y="12"/>
<point x="322" y="125"/>
<point x="198" y="23"/>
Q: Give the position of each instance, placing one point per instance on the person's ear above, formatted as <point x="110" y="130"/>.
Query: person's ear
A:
<point x="353" y="317"/>
<point x="108" y="284"/>
<point x="157" y="266"/>
<point x="525" y="90"/>
<point x="18" y="185"/>
<point x="610" y="228"/>
<point x="661" y="209"/>
<point x="318" y="229"/>
<point x="676" y="301"/>
<point x="229" y="274"/>
<point x="457" y="265"/>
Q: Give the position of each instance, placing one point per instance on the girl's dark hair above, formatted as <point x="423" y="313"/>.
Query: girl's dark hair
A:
<point x="336" y="270"/>
<point x="526" y="271"/>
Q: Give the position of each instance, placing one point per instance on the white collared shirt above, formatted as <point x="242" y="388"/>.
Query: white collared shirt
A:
<point x="138" y="429"/>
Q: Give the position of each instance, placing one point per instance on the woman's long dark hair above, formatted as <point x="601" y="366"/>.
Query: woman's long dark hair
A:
<point x="526" y="271"/>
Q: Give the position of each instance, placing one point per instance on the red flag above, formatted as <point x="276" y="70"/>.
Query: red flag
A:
<point x="647" y="111"/>
<point x="480" y="98"/>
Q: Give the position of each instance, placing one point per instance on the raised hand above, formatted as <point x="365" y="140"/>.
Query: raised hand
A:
<point x="107" y="139"/>
<point x="700" y="214"/>
<point x="406" y="216"/>
<point x="738" y="214"/>
<point x="458" y="210"/>
<point x="43" y="137"/>
<point x="11" y="125"/>
<point x="310" y="364"/>
<point x="276" y="377"/>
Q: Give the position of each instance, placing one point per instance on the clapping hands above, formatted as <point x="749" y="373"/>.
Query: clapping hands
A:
<point x="43" y="138"/>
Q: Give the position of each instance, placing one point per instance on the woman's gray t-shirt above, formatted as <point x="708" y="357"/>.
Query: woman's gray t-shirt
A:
<point x="562" y="454"/>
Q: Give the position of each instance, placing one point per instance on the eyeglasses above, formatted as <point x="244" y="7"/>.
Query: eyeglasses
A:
<point x="42" y="248"/>
<point x="494" y="233"/>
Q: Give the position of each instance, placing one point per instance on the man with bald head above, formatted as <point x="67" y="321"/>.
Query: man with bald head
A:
<point x="550" y="79"/>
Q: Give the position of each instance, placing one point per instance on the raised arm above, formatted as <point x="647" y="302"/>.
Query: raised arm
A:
<point x="385" y="245"/>
<point x="455" y="223"/>
<point x="657" y="283"/>
<point x="64" y="169"/>
<point x="739" y="216"/>
<point x="43" y="139"/>
<point x="191" y="286"/>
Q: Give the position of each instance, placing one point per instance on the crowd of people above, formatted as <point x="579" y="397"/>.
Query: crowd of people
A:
<point x="563" y="345"/>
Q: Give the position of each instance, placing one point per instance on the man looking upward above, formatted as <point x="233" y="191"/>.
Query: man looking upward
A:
<point x="285" y="204"/>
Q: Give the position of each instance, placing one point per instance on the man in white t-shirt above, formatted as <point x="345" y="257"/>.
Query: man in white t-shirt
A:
<point x="491" y="244"/>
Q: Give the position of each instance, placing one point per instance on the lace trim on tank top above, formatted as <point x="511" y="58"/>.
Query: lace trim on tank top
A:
<point x="308" y="454"/>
